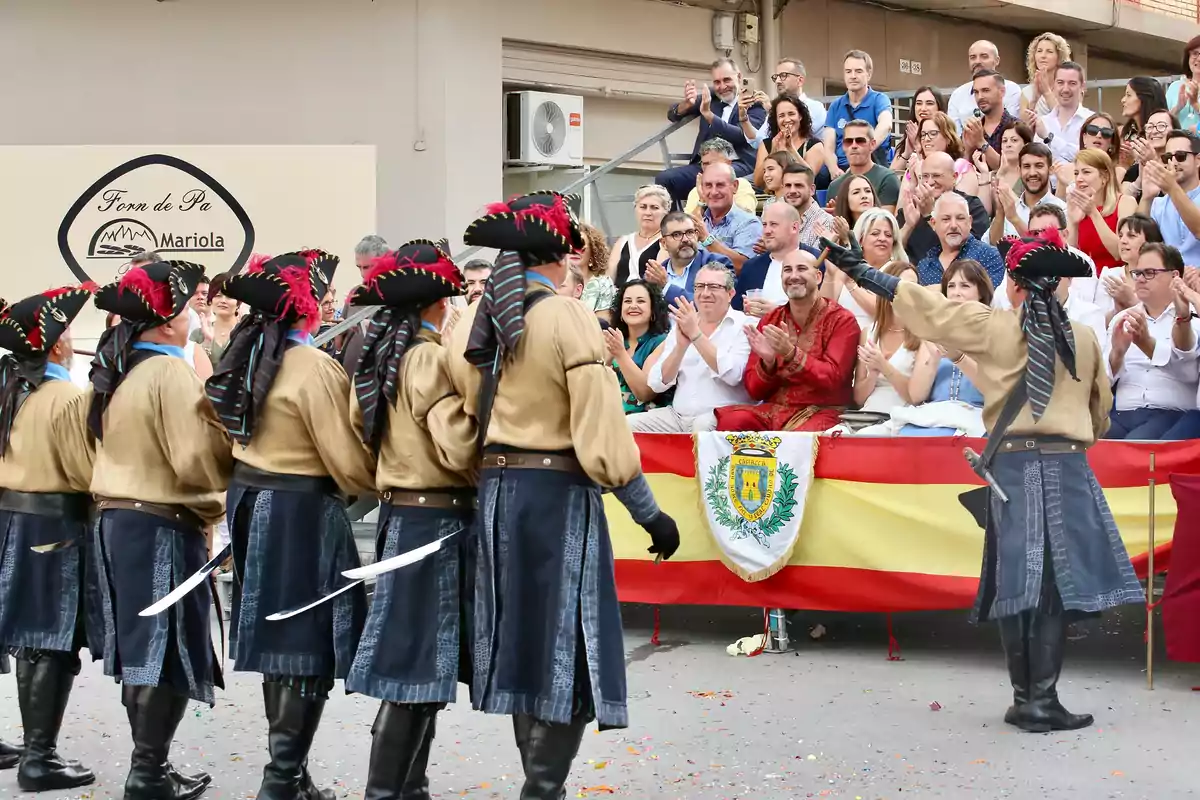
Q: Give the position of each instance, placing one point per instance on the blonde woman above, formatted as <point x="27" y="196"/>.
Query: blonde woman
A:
<point x="630" y="253"/>
<point x="878" y="234"/>
<point x="1042" y="58"/>
<point x="1095" y="207"/>
<point x="887" y="353"/>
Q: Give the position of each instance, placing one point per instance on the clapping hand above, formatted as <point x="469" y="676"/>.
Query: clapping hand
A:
<point x="1079" y="204"/>
<point x="706" y="102"/>
<point x="1120" y="290"/>
<point x="973" y="134"/>
<point x="1006" y="198"/>
<point x="1159" y="176"/>
<point x="871" y="357"/>
<point x="615" y="343"/>
<point x="910" y="136"/>
<point x="655" y="273"/>
<point x="981" y="165"/>
<point x="689" y="95"/>
<point x="1143" y="151"/>
<point x="1124" y="331"/>
<point x="841" y="230"/>
<point x="686" y="318"/>
<point x="780" y="339"/>
<point x="925" y="200"/>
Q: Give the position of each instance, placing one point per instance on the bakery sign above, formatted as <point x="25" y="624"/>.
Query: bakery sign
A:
<point x="154" y="203"/>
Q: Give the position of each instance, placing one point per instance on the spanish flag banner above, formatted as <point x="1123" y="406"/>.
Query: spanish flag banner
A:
<point x="881" y="528"/>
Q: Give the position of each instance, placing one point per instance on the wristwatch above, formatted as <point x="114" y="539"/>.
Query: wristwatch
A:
<point x="1048" y="138"/>
<point x="712" y="237"/>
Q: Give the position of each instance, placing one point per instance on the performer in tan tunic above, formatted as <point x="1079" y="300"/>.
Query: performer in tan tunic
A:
<point x="42" y="596"/>
<point x="548" y="641"/>
<point x="287" y="404"/>
<point x="414" y="650"/>
<point x="162" y="464"/>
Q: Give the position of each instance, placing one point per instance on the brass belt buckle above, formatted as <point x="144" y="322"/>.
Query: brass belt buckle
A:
<point x="1030" y="444"/>
<point x="501" y="462"/>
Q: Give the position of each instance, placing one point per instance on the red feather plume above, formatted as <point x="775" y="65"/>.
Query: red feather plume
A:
<point x="299" y="299"/>
<point x="1048" y="237"/>
<point x="155" y="293"/>
<point x="554" y="215"/>
<point x="256" y="261"/>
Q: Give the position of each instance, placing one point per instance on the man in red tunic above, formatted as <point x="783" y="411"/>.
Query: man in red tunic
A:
<point x="802" y="358"/>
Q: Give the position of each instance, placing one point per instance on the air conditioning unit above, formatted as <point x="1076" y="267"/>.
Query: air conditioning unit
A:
<point x="544" y="129"/>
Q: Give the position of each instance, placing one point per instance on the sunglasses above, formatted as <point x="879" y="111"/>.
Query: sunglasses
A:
<point x="859" y="140"/>
<point x="1179" y="156"/>
<point x="1096" y="130"/>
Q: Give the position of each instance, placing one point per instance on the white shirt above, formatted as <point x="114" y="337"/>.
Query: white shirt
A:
<point x="962" y="105"/>
<point x="698" y="389"/>
<point x="1065" y="144"/>
<point x="1085" y="313"/>
<point x="1092" y="289"/>
<point x="1049" y="198"/>
<point x="772" y="289"/>
<point x="1168" y="379"/>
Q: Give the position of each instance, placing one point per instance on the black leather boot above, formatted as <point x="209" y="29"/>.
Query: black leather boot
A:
<point x="1043" y="712"/>
<point x="400" y="737"/>
<point x="154" y="714"/>
<point x="547" y="751"/>
<point x="1014" y="636"/>
<point x="44" y="682"/>
<point x="10" y="755"/>
<point x="292" y="716"/>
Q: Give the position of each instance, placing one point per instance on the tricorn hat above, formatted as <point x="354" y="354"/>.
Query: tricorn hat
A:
<point x="541" y="223"/>
<point x="286" y="287"/>
<point x="155" y="293"/>
<point x="414" y="275"/>
<point x="30" y="327"/>
<point x="1044" y="256"/>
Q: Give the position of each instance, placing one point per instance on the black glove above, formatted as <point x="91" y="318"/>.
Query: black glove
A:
<point x="850" y="261"/>
<point x="665" y="535"/>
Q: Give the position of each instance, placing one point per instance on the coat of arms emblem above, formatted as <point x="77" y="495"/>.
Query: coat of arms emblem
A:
<point x="749" y="492"/>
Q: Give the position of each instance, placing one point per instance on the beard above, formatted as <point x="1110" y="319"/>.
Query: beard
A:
<point x="796" y="291"/>
<point x="686" y="252"/>
<point x="474" y="295"/>
<point x="954" y="239"/>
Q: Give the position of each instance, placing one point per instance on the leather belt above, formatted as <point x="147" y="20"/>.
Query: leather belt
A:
<point x="177" y="514"/>
<point x="278" y="481"/>
<point x="1050" y="445"/>
<point x="437" y="498"/>
<point x="523" y="460"/>
<point x="61" y="505"/>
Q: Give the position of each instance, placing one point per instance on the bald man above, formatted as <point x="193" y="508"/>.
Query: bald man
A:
<point x="761" y="276"/>
<point x="952" y="225"/>
<point x="983" y="55"/>
<point x="937" y="179"/>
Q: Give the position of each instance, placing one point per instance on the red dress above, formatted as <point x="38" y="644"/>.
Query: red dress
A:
<point x="1090" y="242"/>
<point x="809" y="391"/>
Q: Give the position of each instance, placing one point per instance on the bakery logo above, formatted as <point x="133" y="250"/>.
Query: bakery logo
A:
<point x="154" y="203"/>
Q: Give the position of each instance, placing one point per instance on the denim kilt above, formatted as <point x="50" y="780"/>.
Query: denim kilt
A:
<point x="290" y="548"/>
<point x="42" y="595"/>
<point x="548" y="638"/>
<point x="415" y="646"/>
<point x="1055" y="506"/>
<point x="140" y="558"/>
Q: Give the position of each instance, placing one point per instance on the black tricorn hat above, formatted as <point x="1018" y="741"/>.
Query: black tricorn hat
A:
<point x="541" y="223"/>
<point x="1043" y="256"/>
<point x="287" y="287"/>
<point x="30" y="327"/>
<point x="155" y="293"/>
<point x="411" y="276"/>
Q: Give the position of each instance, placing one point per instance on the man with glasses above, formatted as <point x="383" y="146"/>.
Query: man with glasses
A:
<point x="937" y="178"/>
<point x="703" y="357"/>
<point x="858" y="143"/>
<point x="1153" y="369"/>
<point x="677" y="277"/>
<point x="1171" y="192"/>
<point x="1060" y="128"/>
<point x="789" y="79"/>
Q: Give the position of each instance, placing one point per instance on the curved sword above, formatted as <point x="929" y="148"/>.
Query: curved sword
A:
<point x="180" y="591"/>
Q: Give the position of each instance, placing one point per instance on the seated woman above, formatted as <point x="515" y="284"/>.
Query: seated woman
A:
<point x="886" y="354"/>
<point x="773" y="168"/>
<point x="592" y="261"/>
<point x="945" y="400"/>
<point x="878" y="233"/>
<point x="641" y="322"/>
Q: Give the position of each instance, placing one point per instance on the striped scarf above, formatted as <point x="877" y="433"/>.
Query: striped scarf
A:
<point x="1048" y="333"/>
<point x="113" y="360"/>
<point x="500" y="320"/>
<point x="18" y="377"/>
<point x="239" y="385"/>
<point x="376" y="380"/>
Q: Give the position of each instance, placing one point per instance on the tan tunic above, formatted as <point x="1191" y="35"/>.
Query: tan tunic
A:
<point x="430" y="441"/>
<point x="163" y="442"/>
<point x="30" y="464"/>
<point x="305" y="429"/>
<point x="994" y="339"/>
<point x="558" y="393"/>
<point x="74" y="444"/>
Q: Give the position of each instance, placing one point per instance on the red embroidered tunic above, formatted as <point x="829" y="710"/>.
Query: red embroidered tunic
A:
<point x="808" y="389"/>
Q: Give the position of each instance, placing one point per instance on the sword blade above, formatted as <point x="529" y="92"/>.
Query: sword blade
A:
<point x="56" y="547"/>
<point x="396" y="562"/>
<point x="281" y="615"/>
<point x="178" y="593"/>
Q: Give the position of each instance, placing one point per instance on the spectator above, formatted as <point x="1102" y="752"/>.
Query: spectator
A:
<point x="1170" y="191"/>
<point x="369" y="248"/>
<point x="773" y="169"/>
<point x="676" y="277"/>
<point x="1042" y="58"/>
<point x="1155" y="383"/>
<point x="1052" y="215"/>
<point x="641" y="322"/>
<point x="942" y="387"/>
<point x="476" y="273"/>
<point x="1094" y="208"/>
<point x="860" y="103"/>
<point x="936" y="134"/>
<point x="1114" y="291"/>
<point x="199" y="321"/>
<point x="631" y="253"/>
<point x="1012" y="213"/>
<point x="1077" y="304"/>
<point x="703" y="359"/>
<point x="1012" y="140"/>
<point x="719" y="151"/>
<point x="854" y="197"/>
<point x="887" y="352"/>
<point x="592" y="263"/>
<point x="724" y="228"/>
<point x="572" y="285"/>
<point x="981" y="134"/>
<point x="759" y="288"/>
<point x="226" y="312"/>
<point x="1098" y="133"/>
<point x="1183" y="341"/>
<point x="925" y="103"/>
<point x="878" y="234"/>
<point x="1183" y="95"/>
<point x="1143" y="96"/>
<point x="1144" y="150"/>
<point x="789" y="129"/>
<point x="952" y="225"/>
<point x="802" y="358"/>
<point x="857" y="140"/>
<point x="329" y="318"/>
<point x="789" y="79"/>
<point x="718" y="109"/>
<point x="937" y="178"/>
<point x="1061" y="127"/>
<point x="981" y="56"/>
<point x="798" y="190"/>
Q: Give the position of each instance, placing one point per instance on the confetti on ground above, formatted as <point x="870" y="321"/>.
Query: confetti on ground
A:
<point x="590" y="791"/>
<point x="725" y="694"/>
<point x="935" y="706"/>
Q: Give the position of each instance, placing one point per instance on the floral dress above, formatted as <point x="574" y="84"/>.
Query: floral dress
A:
<point x="646" y="345"/>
